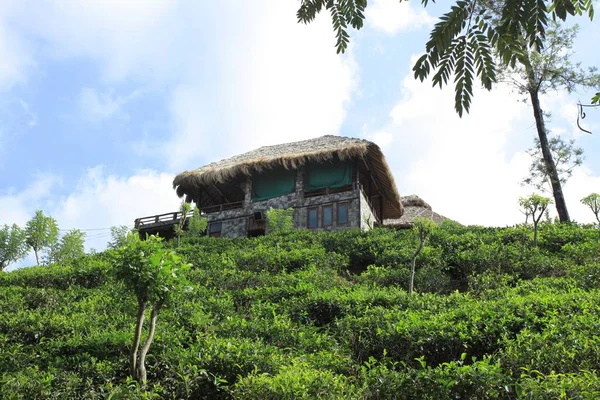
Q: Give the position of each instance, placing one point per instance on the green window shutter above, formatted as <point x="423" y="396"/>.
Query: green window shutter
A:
<point x="273" y="183"/>
<point x="328" y="175"/>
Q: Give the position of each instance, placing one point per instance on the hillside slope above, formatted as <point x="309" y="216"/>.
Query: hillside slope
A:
<point x="281" y="317"/>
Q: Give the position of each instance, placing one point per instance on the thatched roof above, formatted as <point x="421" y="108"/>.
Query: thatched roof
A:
<point x="414" y="207"/>
<point x="292" y="156"/>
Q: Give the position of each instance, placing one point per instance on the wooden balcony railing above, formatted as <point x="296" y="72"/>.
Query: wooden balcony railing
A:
<point x="161" y="219"/>
<point x="173" y="218"/>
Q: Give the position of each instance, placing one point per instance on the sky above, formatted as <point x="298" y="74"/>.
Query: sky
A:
<point x="102" y="103"/>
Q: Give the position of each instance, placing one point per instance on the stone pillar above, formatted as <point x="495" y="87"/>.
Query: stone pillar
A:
<point x="247" y="193"/>
<point x="300" y="183"/>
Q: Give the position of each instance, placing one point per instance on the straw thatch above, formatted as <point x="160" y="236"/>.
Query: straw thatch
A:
<point x="414" y="207"/>
<point x="292" y="156"/>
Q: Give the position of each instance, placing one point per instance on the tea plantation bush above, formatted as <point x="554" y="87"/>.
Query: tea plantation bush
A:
<point x="322" y="315"/>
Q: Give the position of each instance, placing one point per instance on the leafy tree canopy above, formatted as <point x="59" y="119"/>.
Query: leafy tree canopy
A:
<point x="566" y="158"/>
<point x="593" y="202"/>
<point x="70" y="248"/>
<point x="13" y="245"/>
<point x="42" y="233"/>
<point x="462" y="44"/>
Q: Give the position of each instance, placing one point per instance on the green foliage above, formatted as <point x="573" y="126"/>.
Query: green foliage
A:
<point x="68" y="250"/>
<point x="566" y="158"/>
<point x="538" y="71"/>
<point x="280" y="220"/>
<point x="593" y="202"/>
<point x="465" y="39"/>
<point x="534" y="206"/>
<point x="422" y="228"/>
<point x="42" y="233"/>
<point x="155" y="275"/>
<point x="296" y="381"/>
<point x="13" y="245"/>
<point x="197" y="224"/>
<point x="279" y="316"/>
<point x="149" y="270"/>
<point x="118" y="236"/>
<point x="184" y="210"/>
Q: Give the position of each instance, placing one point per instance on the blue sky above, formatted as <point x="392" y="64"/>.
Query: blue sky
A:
<point x="102" y="103"/>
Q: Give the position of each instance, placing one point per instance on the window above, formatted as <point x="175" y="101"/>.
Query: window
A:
<point x="342" y="213"/>
<point x="214" y="229"/>
<point x="313" y="218"/>
<point x="327" y="215"/>
<point x="273" y="183"/>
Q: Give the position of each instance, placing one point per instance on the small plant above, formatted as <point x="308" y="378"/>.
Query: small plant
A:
<point x="422" y="228"/>
<point x="280" y="220"/>
<point x="534" y="206"/>
<point x="13" y="245"/>
<point x="593" y="202"/>
<point x="154" y="274"/>
<point x="197" y="225"/>
<point x="184" y="209"/>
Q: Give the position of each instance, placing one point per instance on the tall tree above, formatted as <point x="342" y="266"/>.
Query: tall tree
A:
<point x="13" y="245"/>
<point x="549" y="68"/>
<point x="462" y="42"/>
<point x="42" y="233"/>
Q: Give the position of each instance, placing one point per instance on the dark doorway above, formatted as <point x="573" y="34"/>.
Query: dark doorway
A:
<point x="256" y="232"/>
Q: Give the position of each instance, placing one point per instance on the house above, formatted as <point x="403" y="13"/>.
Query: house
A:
<point x="330" y="182"/>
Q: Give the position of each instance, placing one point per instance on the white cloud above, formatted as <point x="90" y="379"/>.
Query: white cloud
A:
<point x="17" y="207"/>
<point x="99" y="201"/>
<point x="393" y="16"/>
<point x="256" y="77"/>
<point x="119" y="34"/>
<point x="582" y="183"/>
<point x="384" y="139"/>
<point x="15" y="57"/>
<point x="463" y="166"/>
<point x="277" y="81"/>
<point x="105" y="105"/>
<point x="16" y="118"/>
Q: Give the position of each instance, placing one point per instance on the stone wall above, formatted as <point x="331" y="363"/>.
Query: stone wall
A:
<point x="235" y="222"/>
<point x="367" y="218"/>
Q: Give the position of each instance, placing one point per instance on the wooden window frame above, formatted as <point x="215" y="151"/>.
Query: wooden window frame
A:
<point x="308" y="217"/>
<point x="337" y="217"/>
<point x="330" y="206"/>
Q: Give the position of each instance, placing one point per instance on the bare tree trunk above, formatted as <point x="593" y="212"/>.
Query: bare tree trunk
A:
<point x="413" y="267"/>
<point x="141" y="366"/>
<point x="559" y="199"/>
<point x="37" y="258"/>
<point x="2" y="265"/>
<point x="136" y="339"/>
